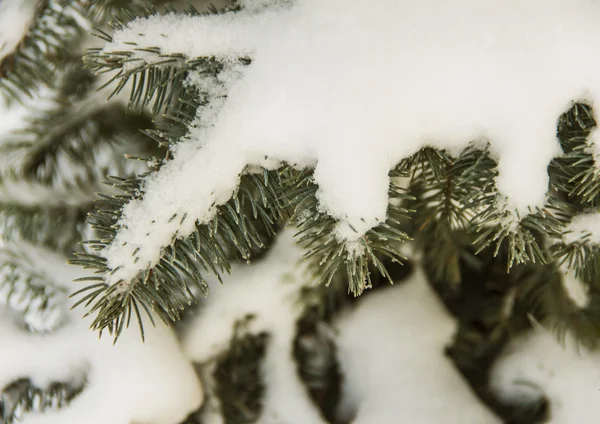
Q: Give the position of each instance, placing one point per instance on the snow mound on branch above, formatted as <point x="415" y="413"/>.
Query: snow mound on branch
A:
<point x="269" y="291"/>
<point x="130" y="382"/>
<point x="568" y="375"/>
<point x="391" y="351"/>
<point x="584" y="227"/>
<point x="354" y="87"/>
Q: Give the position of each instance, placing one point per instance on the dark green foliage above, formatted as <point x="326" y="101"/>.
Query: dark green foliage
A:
<point x="316" y="231"/>
<point x="547" y="299"/>
<point x="234" y="378"/>
<point x="582" y="257"/>
<point x="495" y="271"/>
<point x="525" y="239"/>
<point x="239" y="380"/>
<point x="447" y="191"/>
<point x="450" y="206"/>
<point x="160" y="83"/>
<point x="22" y="397"/>
<point x="489" y="309"/>
<point x="575" y="174"/>
<point x="315" y="354"/>
<point x="244" y="223"/>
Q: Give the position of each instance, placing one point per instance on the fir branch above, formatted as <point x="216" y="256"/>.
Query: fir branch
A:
<point x="581" y="256"/>
<point x="524" y="236"/>
<point x="99" y="11"/>
<point x="494" y="224"/>
<point x="49" y="43"/>
<point x="28" y="292"/>
<point x="238" y="375"/>
<point x="56" y="228"/>
<point x="576" y="173"/>
<point x="160" y="82"/>
<point x="244" y="223"/>
<point x="444" y="188"/>
<point x="545" y="297"/>
<point x="73" y="149"/>
<point x="316" y="356"/>
<point x="22" y="397"/>
<point x="316" y="230"/>
<point x="156" y="78"/>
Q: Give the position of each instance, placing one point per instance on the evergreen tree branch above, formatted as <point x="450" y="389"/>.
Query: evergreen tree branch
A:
<point x="101" y="11"/>
<point x="238" y="376"/>
<point x="545" y="296"/>
<point x="28" y="292"/>
<point x="56" y="228"/>
<point x="154" y="76"/>
<point x="49" y="43"/>
<point x="576" y="174"/>
<point x="159" y="82"/>
<point x="329" y="256"/>
<point x="444" y="187"/>
<point x="525" y="236"/>
<point x="244" y="223"/>
<point x="582" y="256"/>
<point x="22" y="397"/>
<point x="71" y="152"/>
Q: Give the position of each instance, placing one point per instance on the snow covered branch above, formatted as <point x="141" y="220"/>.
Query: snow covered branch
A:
<point x="307" y="87"/>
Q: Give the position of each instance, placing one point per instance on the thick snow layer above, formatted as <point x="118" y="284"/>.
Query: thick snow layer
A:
<point x="567" y="375"/>
<point x="584" y="227"/>
<point x="15" y="18"/>
<point x="391" y="352"/>
<point x="269" y="290"/>
<point x="354" y="87"/>
<point x="130" y="382"/>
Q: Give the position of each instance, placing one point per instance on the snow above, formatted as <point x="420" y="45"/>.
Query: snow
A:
<point x="391" y="352"/>
<point x="223" y="35"/>
<point x="130" y="382"/>
<point x="15" y="18"/>
<point x="269" y="290"/>
<point x="354" y="87"/>
<point x="391" y="347"/>
<point x="584" y="227"/>
<point x="575" y="288"/>
<point x="568" y="375"/>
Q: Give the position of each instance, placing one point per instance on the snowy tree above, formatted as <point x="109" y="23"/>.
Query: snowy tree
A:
<point x="299" y="211"/>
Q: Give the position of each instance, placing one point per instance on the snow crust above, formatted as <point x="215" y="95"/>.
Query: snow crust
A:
<point x="391" y="352"/>
<point x="130" y="382"/>
<point x="268" y="290"/>
<point x="568" y="375"/>
<point x="584" y="227"/>
<point x="354" y="87"/>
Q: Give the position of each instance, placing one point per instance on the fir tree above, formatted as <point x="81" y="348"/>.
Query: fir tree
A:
<point x="461" y="164"/>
